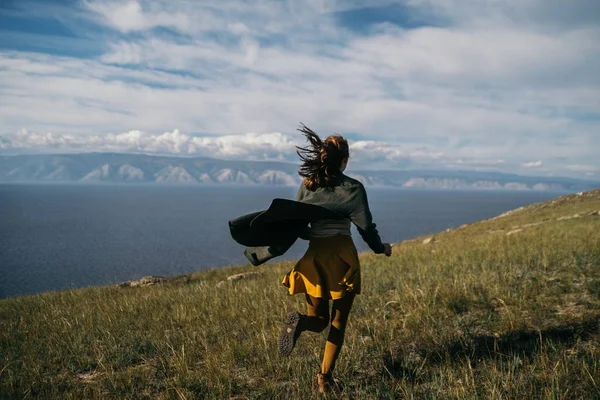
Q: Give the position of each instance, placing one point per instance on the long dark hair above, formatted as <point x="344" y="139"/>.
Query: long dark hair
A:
<point x="322" y="159"/>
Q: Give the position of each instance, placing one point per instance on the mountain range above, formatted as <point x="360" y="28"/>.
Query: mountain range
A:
<point x="143" y="168"/>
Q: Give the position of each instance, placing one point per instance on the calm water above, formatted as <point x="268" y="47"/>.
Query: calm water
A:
<point x="55" y="237"/>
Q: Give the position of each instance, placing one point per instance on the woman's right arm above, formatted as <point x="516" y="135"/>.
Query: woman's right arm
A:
<point x="363" y="220"/>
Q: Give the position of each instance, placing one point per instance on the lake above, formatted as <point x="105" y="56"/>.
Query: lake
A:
<point x="56" y="236"/>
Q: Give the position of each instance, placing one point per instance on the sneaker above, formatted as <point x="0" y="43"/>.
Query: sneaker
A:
<point x="289" y="334"/>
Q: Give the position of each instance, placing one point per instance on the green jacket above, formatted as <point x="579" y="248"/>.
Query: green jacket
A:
<point x="348" y="199"/>
<point x="272" y="232"/>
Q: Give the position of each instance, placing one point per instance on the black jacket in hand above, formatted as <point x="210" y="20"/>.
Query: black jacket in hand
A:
<point x="270" y="233"/>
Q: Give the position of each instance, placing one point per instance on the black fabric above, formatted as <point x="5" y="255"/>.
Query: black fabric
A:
<point x="273" y="233"/>
<point x="270" y="233"/>
<point x="282" y="210"/>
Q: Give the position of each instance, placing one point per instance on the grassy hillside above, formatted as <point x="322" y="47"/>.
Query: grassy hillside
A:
<point x="506" y="308"/>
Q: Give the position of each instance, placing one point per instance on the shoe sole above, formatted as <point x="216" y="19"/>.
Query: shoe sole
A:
<point x="287" y="339"/>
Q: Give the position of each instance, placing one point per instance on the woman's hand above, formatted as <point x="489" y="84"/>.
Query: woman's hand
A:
<point x="388" y="249"/>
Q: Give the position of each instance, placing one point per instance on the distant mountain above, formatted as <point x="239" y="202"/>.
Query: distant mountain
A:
<point x="141" y="168"/>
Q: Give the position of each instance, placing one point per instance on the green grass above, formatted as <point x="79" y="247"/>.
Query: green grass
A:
<point x="476" y="314"/>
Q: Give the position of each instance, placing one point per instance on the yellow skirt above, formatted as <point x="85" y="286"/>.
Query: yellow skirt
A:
<point x="328" y="269"/>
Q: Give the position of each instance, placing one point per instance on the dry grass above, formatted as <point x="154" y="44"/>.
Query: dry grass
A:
<point x="475" y="314"/>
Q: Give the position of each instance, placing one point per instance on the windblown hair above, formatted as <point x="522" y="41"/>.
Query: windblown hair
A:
<point x="322" y="159"/>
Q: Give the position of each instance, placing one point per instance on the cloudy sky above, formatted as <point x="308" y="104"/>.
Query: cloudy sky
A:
<point x="509" y="85"/>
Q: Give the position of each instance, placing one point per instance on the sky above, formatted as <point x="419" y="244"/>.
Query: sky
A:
<point x="499" y="85"/>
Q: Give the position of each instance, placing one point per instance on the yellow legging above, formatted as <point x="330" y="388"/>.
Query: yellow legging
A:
<point x="317" y="319"/>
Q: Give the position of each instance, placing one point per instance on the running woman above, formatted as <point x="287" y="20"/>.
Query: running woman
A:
<point x="330" y="269"/>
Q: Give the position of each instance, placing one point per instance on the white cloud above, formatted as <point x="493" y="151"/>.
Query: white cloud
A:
<point x="497" y="57"/>
<point x="492" y="86"/>
<point x="249" y="146"/>
<point x="129" y="16"/>
<point x="532" y="164"/>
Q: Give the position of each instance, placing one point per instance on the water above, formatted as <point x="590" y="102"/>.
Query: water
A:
<point x="55" y="237"/>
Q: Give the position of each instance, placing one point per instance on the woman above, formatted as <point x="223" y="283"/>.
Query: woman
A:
<point x="330" y="267"/>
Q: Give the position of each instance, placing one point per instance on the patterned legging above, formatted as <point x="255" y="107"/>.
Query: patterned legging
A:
<point x="317" y="319"/>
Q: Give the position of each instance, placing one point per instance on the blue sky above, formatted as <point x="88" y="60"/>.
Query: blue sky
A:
<point x="473" y="84"/>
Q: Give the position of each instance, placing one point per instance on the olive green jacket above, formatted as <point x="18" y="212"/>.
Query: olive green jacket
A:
<point x="272" y="232"/>
<point x="349" y="199"/>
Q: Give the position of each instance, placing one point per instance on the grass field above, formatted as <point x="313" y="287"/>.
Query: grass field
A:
<point x="507" y="308"/>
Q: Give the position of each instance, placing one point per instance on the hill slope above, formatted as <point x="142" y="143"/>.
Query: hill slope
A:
<point x="503" y="308"/>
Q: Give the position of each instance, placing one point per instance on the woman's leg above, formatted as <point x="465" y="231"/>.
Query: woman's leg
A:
<point x="339" y="318"/>
<point x="296" y="323"/>
<point x="317" y="315"/>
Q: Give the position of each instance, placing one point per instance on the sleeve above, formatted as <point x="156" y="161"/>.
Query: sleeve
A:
<point x="362" y="218"/>
<point x="300" y="194"/>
